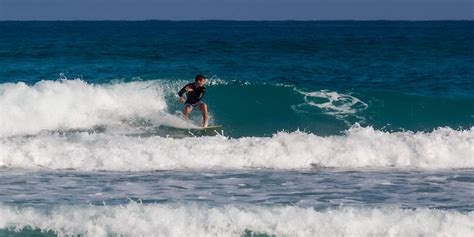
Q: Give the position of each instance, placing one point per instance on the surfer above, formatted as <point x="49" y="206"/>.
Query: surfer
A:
<point x="194" y="93"/>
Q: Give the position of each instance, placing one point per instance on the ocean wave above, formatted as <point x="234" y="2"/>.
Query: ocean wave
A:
<point x="72" y="104"/>
<point x="66" y="104"/>
<point x="358" y="147"/>
<point x="136" y="219"/>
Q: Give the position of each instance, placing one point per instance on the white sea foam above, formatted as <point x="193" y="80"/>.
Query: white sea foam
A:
<point x="192" y="220"/>
<point x="75" y="104"/>
<point x="359" y="147"/>
<point x="332" y="103"/>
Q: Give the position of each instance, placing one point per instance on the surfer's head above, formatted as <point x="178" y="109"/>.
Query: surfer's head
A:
<point x="200" y="80"/>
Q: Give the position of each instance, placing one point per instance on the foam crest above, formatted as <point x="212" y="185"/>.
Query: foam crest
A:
<point x="52" y="105"/>
<point x="192" y="220"/>
<point x="359" y="147"/>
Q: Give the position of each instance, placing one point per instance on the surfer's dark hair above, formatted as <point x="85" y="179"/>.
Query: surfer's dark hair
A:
<point x="199" y="77"/>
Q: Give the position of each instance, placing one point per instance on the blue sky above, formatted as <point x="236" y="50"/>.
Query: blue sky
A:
<point x="236" y="9"/>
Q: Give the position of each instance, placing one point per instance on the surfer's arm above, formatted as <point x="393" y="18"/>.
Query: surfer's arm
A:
<point x="186" y="88"/>
<point x="181" y="92"/>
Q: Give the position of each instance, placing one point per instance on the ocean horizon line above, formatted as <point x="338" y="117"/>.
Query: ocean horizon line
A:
<point x="224" y="20"/>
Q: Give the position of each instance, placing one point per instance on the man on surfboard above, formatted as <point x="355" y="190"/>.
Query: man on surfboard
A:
<point x="194" y="93"/>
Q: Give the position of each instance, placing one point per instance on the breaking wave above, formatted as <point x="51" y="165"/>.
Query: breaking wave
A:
<point x="359" y="147"/>
<point x="34" y="118"/>
<point x="137" y="219"/>
<point x="75" y="104"/>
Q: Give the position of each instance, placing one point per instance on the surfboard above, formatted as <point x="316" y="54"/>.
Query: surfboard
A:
<point x="213" y="127"/>
<point x="207" y="131"/>
<point x="191" y="132"/>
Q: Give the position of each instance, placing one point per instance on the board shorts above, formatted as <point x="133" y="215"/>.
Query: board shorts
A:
<point x="198" y="104"/>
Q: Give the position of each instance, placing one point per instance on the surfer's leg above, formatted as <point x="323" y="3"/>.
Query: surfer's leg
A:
<point x="187" y="110"/>
<point x="205" y="117"/>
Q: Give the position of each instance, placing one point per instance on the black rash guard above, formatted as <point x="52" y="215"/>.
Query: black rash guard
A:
<point x="194" y="96"/>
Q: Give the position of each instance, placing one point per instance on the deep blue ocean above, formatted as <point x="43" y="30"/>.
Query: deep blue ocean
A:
<point x="331" y="128"/>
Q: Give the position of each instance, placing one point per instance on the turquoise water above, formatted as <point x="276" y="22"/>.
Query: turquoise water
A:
<point x="410" y="75"/>
<point x="330" y="128"/>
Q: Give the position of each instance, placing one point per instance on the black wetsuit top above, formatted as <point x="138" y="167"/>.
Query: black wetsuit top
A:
<point x="194" y="96"/>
